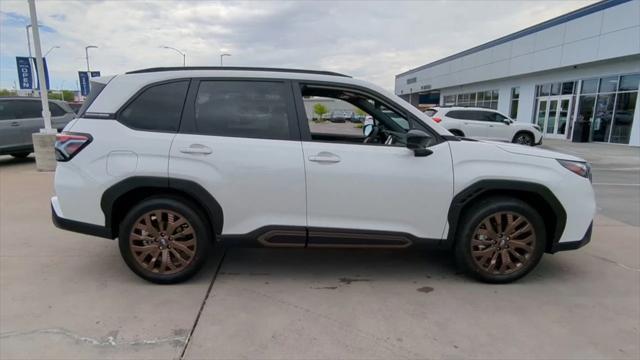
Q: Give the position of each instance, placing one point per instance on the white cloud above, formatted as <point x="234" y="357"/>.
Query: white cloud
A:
<point x="371" y="40"/>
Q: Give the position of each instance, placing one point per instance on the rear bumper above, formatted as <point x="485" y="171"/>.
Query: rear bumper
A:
<point x="573" y="245"/>
<point x="76" y="226"/>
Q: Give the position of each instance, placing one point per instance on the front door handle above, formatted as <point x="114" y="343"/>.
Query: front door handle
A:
<point x="196" y="149"/>
<point x="15" y="123"/>
<point x="325" y="157"/>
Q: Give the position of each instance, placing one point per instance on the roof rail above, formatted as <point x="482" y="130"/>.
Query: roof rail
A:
<point x="236" y="68"/>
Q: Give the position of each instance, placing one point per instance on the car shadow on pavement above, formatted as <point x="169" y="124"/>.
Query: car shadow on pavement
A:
<point x="336" y="267"/>
<point x="10" y="160"/>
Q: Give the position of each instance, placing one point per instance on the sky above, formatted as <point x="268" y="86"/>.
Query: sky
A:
<point x="370" y="40"/>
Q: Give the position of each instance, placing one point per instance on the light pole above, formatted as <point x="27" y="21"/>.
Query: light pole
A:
<point x="48" y="51"/>
<point x="86" y="53"/>
<point x="221" y="56"/>
<point x="30" y="56"/>
<point x="43" y="142"/>
<point x="184" y="55"/>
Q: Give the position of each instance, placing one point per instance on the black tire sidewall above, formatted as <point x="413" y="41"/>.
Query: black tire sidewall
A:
<point x="474" y="215"/>
<point x="182" y="207"/>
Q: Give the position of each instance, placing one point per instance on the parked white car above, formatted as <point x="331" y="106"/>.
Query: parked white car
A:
<point x="485" y="124"/>
<point x="173" y="160"/>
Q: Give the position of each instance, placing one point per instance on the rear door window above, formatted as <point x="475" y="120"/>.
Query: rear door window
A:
<point x="252" y="109"/>
<point x="461" y="114"/>
<point x="157" y="108"/>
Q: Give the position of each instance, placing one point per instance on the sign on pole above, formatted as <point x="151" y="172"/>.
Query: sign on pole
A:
<point x="95" y="74"/>
<point x="28" y="76"/>
<point x="84" y="82"/>
<point x="46" y="73"/>
<point x="25" y="74"/>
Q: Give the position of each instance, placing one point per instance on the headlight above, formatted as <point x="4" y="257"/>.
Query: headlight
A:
<point x="577" y="167"/>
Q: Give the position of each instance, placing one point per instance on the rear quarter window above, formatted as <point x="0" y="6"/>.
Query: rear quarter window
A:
<point x="156" y="108"/>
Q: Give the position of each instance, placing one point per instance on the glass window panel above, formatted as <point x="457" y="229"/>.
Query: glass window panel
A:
<point x="623" y="117"/>
<point x="589" y="86"/>
<point x="608" y="84"/>
<point x="542" y="111"/>
<point x="551" y="121"/>
<point x="472" y="98"/>
<point x="602" y="118"/>
<point x="515" y="93"/>
<point x="555" y="89"/>
<point x="158" y="108"/>
<point x="494" y="95"/>
<point x="513" y="112"/>
<point x="545" y="89"/>
<point x="487" y="95"/>
<point x="629" y="82"/>
<point x="480" y="96"/>
<point x="567" y="88"/>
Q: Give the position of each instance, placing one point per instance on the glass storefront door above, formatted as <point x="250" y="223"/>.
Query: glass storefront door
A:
<point x="553" y="115"/>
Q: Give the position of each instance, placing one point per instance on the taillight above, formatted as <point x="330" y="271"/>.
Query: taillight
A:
<point x="70" y="144"/>
<point x="437" y="119"/>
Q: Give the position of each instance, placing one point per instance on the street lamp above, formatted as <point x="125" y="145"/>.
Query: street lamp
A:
<point x="48" y="51"/>
<point x="86" y="52"/>
<point x="221" y="56"/>
<point x="184" y="55"/>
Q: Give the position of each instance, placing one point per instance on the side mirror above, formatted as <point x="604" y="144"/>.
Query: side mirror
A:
<point x="506" y="121"/>
<point x="418" y="140"/>
<point x="367" y="130"/>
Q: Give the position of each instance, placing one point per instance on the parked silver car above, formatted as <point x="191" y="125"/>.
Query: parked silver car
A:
<point x="22" y="116"/>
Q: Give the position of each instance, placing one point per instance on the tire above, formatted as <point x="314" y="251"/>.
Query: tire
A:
<point x="157" y="251"/>
<point x="457" y="132"/>
<point x="20" y="155"/>
<point x="480" y="251"/>
<point x="524" y="138"/>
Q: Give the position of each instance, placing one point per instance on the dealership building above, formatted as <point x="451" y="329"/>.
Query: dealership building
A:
<point x="579" y="70"/>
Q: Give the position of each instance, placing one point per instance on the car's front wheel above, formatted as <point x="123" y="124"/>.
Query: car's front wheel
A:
<point x="524" y="138"/>
<point x="164" y="240"/>
<point x="500" y="240"/>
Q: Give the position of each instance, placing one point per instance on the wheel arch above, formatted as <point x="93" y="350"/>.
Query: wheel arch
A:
<point x="536" y="195"/>
<point x="122" y="196"/>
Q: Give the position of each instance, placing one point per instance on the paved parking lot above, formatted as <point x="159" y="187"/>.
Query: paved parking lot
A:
<point x="67" y="296"/>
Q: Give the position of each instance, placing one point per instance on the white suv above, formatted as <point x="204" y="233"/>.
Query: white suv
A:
<point x="173" y="160"/>
<point x="485" y="124"/>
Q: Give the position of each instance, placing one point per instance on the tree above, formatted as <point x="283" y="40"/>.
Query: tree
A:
<point x="360" y="112"/>
<point x="320" y="109"/>
<point x="5" y="92"/>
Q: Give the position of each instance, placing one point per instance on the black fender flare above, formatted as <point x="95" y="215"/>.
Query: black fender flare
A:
<point x="194" y="191"/>
<point x="485" y="187"/>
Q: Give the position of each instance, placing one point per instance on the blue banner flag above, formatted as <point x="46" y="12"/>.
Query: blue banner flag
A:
<point x="84" y="82"/>
<point x="25" y="74"/>
<point x="46" y="73"/>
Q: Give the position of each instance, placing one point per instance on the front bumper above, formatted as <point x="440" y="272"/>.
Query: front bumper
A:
<point x="76" y="226"/>
<point x="573" y="245"/>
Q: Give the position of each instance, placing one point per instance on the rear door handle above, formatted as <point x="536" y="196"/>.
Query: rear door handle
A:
<point x="196" y="149"/>
<point x="15" y="123"/>
<point x="325" y="157"/>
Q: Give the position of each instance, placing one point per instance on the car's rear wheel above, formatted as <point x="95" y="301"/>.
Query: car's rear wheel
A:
<point x="524" y="138"/>
<point x="20" y="155"/>
<point x="500" y="240"/>
<point x="164" y="240"/>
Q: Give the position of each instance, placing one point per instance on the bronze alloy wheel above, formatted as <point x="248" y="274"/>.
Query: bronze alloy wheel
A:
<point x="163" y="242"/>
<point x="503" y="243"/>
